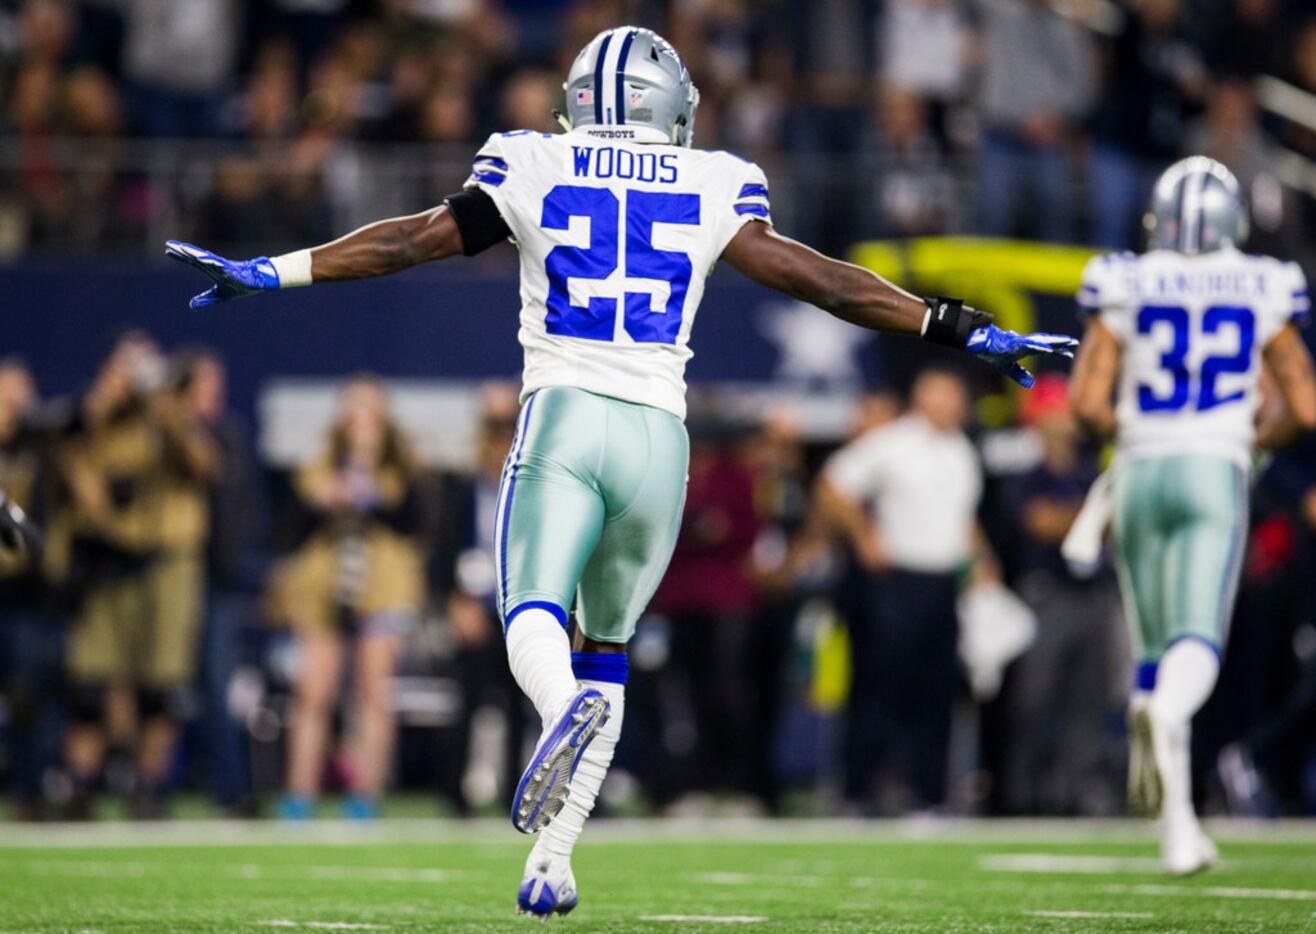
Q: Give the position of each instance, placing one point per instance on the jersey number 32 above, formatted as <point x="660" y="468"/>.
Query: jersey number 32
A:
<point x="597" y="320"/>
<point x="1174" y="361"/>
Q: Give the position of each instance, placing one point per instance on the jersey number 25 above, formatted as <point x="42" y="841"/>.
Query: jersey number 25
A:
<point x="596" y="320"/>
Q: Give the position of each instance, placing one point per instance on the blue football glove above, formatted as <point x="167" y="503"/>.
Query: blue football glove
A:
<point x="233" y="278"/>
<point x="1004" y="349"/>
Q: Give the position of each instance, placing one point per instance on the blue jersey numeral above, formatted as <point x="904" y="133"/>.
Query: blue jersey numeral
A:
<point x="596" y="321"/>
<point x="1174" y="360"/>
<point x="597" y="261"/>
<point x="1246" y="323"/>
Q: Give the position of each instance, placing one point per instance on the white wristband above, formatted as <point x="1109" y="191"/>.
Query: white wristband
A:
<point x="294" y="269"/>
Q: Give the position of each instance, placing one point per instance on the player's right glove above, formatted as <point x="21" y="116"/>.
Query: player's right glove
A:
<point x="952" y="323"/>
<point x="233" y="278"/>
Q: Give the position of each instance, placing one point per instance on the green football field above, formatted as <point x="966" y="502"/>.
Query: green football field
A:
<point x="424" y="875"/>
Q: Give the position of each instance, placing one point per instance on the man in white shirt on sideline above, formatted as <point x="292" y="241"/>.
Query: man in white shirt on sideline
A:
<point x="905" y="496"/>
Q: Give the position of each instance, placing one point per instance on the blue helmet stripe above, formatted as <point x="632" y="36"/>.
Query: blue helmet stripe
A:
<point x="598" y="79"/>
<point x="621" y="71"/>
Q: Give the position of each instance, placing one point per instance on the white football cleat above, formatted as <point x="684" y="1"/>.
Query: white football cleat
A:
<point x="547" y="887"/>
<point x="544" y="785"/>
<point x="1144" y="777"/>
<point x="1185" y="847"/>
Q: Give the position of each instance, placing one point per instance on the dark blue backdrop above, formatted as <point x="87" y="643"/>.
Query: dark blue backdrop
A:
<point x="432" y="322"/>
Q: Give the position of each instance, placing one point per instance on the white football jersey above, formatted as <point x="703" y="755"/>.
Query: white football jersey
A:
<point x="616" y="240"/>
<point x="1192" y="329"/>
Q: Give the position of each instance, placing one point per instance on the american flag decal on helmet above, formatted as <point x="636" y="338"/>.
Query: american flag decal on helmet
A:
<point x="584" y="97"/>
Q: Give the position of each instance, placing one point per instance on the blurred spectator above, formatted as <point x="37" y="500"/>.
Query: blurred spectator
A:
<point x="1038" y="77"/>
<point x="904" y="496"/>
<point x="139" y="467"/>
<point x="1063" y="687"/>
<point x="1153" y="77"/>
<point x="792" y="562"/>
<point x="447" y="116"/>
<point x="926" y="48"/>
<point x="466" y="585"/>
<point x="179" y="58"/>
<point x="529" y="100"/>
<point x="271" y="192"/>
<point x="1247" y="38"/>
<point x="30" y="634"/>
<point x="355" y="583"/>
<point x="708" y="595"/>
<point x="829" y="116"/>
<point x="1230" y="131"/>
<point x="915" y="188"/>
<point x="232" y="575"/>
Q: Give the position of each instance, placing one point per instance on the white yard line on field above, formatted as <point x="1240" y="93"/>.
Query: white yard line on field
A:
<point x="1060" y="863"/>
<point x="1216" y="891"/>
<point x="95" y="869"/>
<point x="323" y="925"/>
<point x="213" y="833"/>
<point x="705" y="919"/>
<point x="748" y="878"/>
<point x="1089" y="914"/>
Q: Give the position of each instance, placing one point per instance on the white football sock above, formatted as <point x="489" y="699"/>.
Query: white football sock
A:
<point x="1184" y="680"/>
<point x="539" y="655"/>
<point x="559" y="837"/>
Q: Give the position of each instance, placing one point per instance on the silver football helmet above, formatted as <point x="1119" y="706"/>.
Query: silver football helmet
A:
<point x="1196" y="207"/>
<point x="630" y="83"/>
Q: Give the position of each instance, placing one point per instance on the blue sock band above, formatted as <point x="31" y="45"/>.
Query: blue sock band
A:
<point x="610" y="667"/>
<point x="558" y="613"/>
<point x="1146" y="676"/>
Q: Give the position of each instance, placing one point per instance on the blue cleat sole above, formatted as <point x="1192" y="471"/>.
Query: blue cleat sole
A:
<point x="543" y="787"/>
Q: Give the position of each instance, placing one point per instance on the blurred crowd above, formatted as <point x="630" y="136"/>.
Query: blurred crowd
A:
<point x="876" y="628"/>
<point x="874" y="118"/>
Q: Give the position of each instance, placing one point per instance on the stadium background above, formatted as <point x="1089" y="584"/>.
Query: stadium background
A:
<point x="980" y="148"/>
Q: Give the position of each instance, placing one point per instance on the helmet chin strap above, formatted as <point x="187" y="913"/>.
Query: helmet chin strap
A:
<point x="561" y="119"/>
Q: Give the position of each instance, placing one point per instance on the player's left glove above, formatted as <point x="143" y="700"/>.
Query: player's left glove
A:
<point x="1004" y="350"/>
<point x="951" y="323"/>
<point x="233" y="278"/>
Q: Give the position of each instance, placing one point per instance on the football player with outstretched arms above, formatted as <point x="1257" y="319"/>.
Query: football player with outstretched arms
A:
<point x="619" y="222"/>
<point x="1170" y="367"/>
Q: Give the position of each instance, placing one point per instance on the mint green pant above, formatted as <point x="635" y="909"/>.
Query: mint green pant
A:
<point x="1180" y="529"/>
<point x="589" y="509"/>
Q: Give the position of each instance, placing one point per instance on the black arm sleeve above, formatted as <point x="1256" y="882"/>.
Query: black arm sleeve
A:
<point x="478" y="220"/>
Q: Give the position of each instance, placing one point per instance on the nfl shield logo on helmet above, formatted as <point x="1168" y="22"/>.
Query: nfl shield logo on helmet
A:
<point x="636" y="97"/>
<point x="584" y="97"/>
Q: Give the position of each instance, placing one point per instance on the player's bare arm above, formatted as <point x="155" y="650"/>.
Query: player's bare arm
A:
<point x="388" y="246"/>
<point x="1092" y="387"/>
<point x="861" y="297"/>
<point x="1290" y="365"/>
<point x="377" y="249"/>
<point x="849" y="292"/>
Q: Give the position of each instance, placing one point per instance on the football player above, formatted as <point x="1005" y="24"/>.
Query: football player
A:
<point x="1170" y="366"/>
<point x="619" y="221"/>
